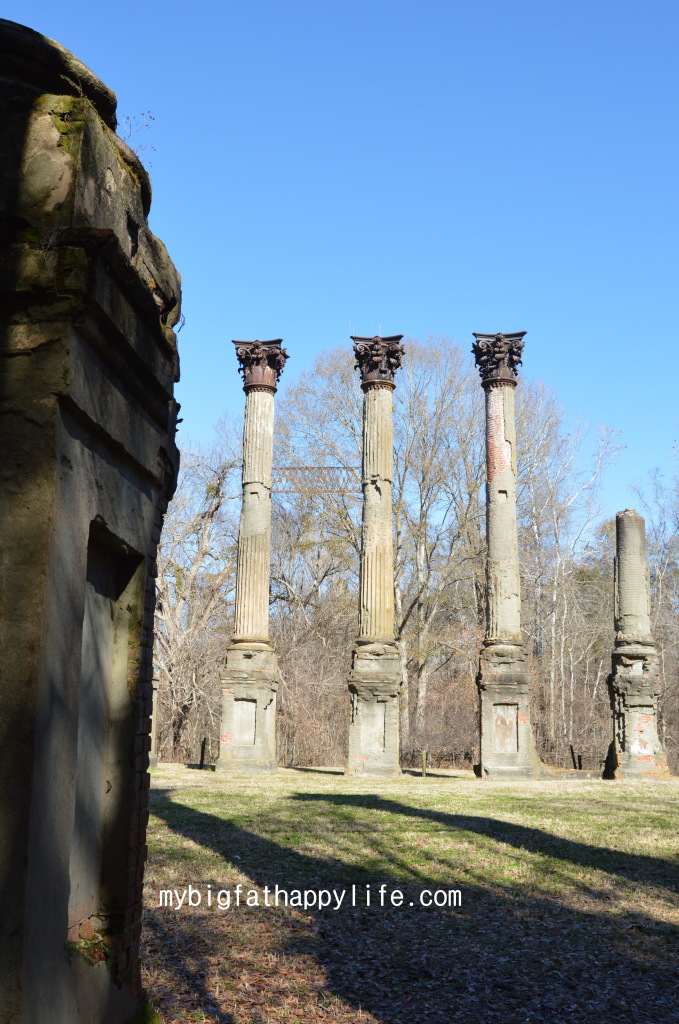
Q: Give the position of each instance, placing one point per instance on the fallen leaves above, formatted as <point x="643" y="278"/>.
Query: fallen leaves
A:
<point x="554" y="926"/>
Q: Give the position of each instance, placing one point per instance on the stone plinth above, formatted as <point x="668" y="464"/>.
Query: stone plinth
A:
<point x="504" y="687"/>
<point x="634" y="682"/>
<point x="503" y="682"/>
<point x="247" y="740"/>
<point x="88" y="462"/>
<point x="374" y="686"/>
<point x="375" y="678"/>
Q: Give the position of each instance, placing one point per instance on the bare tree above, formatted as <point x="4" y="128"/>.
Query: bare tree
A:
<point x="659" y="502"/>
<point x="439" y="569"/>
<point x="196" y="581"/>
<point x="438" y="473"/>
<point x="568" y="627"/>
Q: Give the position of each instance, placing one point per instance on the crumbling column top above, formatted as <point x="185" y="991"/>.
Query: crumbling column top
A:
<point x="378" y="359"/>
<point x="261" y="363"/>
<point x="632" y="581"/>
<point x="498" y="357"/>
<point x="29" y="56"/>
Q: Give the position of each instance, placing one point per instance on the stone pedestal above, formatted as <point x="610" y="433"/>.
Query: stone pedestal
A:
<point x="247" y="737"/>
<point x="247" y="740"/>
<point x="503" y="682"/>
<point x="375" y="677"/>
<point x="374" y="686"/>
<point x="634" y="684"/>
<point x="504" y="687"/>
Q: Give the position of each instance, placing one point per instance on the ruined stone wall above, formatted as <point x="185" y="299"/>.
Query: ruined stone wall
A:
<point x="87" y="367"/>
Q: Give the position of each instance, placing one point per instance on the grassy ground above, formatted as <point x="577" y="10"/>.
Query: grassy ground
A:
<point x="569" y="900"/>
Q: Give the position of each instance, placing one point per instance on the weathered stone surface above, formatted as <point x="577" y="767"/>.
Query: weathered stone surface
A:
<point x="247" y="739"/>
<point x="88" y="462"/>
<point x="504" y="684"/>
<point x="375" y="678"/>
<point x="634" y="682"/>
<point x="376" y="608"/>
<point x="503" y="594"/>
<point x="374" y="687"/>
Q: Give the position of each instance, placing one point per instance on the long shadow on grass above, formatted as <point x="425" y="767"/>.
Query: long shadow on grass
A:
<point x="501" y="956"/>
<point x="186" y="952"/>
<point x="638" y="867"/>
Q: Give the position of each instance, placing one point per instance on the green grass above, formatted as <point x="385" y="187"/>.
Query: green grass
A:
<point x="570" y="899"/>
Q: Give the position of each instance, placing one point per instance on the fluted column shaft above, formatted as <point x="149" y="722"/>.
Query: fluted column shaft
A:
<point x="376" y="608"/>
<point x="503" y="592"/>
<point x="632" y="584"/>
<point x="254" y="535"/>
<point x="375" y="677"/>
<point x="247" y="738"/>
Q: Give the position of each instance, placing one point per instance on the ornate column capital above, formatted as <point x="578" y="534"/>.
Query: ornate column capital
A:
<point x="261" y="363"/>
<point x="498" y="357"/>
<point x="378" y="359"/>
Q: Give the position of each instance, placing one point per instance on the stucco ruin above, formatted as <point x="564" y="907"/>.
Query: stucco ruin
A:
<point x="375" y="678"/>
<point x="88" y="459"/>
<point x="634" y="682"/>
<point x="503" y="681"/>
<point x="247" y="739"/>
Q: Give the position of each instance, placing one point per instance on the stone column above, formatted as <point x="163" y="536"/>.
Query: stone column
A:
<point x="375" y="677"/>
<point x="247" y="740"/>
<point x="503" y="682"/>
<point x="634" y="684"/>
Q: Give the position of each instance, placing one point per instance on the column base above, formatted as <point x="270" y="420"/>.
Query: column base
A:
<point x="247" y="740"/>
<point x="374" y="687"/>
<point x="633" y="688"/>
<point x="506" y="739"/>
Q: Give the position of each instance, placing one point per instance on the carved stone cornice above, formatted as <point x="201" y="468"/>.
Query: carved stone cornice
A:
<point x="498" y="357"/>
<point x="378" y="359"/>
<point x="261" y="363"/>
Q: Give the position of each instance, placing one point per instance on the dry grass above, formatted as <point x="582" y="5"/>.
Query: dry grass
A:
<point x="570" y="900"/>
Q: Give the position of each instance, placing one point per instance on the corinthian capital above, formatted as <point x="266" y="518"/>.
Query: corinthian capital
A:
<point x="498" y="356"/>
<point x="261" y="362"/>
<point x="378" y="359"/>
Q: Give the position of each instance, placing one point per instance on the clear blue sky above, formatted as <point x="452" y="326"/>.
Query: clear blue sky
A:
<point x="327" y="168"/>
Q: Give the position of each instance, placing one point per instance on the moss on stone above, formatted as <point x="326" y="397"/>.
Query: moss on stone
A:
<point x="68" y="115"/>
<point x="147" y="1015"/>
<point x="92" y="951"/>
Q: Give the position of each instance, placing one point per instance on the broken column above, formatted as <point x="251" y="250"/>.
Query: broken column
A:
<point x="503" y="681"/>
<point x="375" y="678"/>
<point x="247" y="740"/>
<point x="634" y="682"/>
